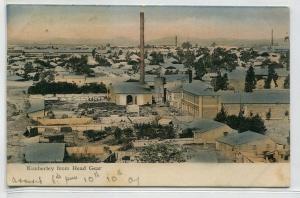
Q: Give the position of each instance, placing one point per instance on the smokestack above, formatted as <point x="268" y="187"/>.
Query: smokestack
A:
<point x="175" y="41"/>
<point x="272" y="39"/>
<point x="142" y="64"/>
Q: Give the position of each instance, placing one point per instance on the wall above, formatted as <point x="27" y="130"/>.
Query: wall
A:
<point x="200" y="106"/>
<point x="250" y="152"/>
<point x="277" y="110"/>
<point x="65" y="121"/>
<point x="142" y="99"/>
<point x="212" y="135"/>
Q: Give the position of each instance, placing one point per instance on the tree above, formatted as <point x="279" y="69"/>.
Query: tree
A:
<point x="128" y="132"/>
<point x="250" y="81"/>
<point x="221" y="116"/>
<point x="94" y="52"/>
<point x="186" y="45"/>
<point x="272" y="75"/>
<point x="256" y="124"/>
<point x="43" y="87"/>
<point x="189" y="58"/>
<point x="102" y="61"/>
<point x="118" y="134"/>
<point x="28" y="68"/>
<point x="268" y="114"/>
<point x="200" y="70"/>
<point x="157" y="58"/>
<point x="221" y="82"/>
<point x="242" y="123"/>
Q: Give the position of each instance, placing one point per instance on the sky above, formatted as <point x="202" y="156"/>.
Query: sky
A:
<point x="44" y="23"/>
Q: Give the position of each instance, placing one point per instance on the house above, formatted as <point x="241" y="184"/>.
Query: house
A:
<point x="76" y="79"/>
<point x="130" y="93"/>
<point x="199" y="100"/>
<point x="45" y="153"/>
<point x="207" y="131"/>
<point x="250" y="146"/>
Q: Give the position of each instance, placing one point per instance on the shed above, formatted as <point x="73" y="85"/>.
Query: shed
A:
<point x="207" y="131"/>
<point x="45" y="152"/>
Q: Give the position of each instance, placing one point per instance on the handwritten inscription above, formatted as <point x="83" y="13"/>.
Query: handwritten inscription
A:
<point x="74" y="175"/>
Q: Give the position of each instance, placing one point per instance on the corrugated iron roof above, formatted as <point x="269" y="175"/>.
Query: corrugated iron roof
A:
<point x="45" y="152"/>
<point x="256" y="97"/>
<point x="199" y="88"/>
<point x="202" y="125"/>
<point x="242" y="138"/>
<point x="131" y="88"/>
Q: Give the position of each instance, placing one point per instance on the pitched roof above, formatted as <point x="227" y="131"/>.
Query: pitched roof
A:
<point x="202" y="125"/>
<point x="256" y="97"/>
<point x="242" y="138"/>
<point x="45" y="152"/>
<point x="199" y="88"/>
<point x="130" y="88"/>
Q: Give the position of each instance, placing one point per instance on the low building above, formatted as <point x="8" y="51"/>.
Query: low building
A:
<point x="45" y="153"/>
<point x="199" y="100"/>
<point x="260" y="102"/>
<point x="250" y="147"/>
<point x="131" y="93"/>
<point x="207" y="131"/>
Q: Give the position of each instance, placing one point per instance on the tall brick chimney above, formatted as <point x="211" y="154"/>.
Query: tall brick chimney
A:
<point x="142" y="64"/>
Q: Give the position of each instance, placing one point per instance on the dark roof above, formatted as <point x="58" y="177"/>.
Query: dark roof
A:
<point x="264" y="71"/>
<point x="131" y="88"/>
<point x="45" y="152"/>
<point x="199" y="88"/>
<point x="176" y="77"/>
<point x="169" y="78"/>
<point x="202" y="125"/>
<point x="36" y="105"/>
<point x="256" y="97"/>
<point x="242" y="138"/>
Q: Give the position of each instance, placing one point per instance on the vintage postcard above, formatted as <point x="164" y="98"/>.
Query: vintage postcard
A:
<point x="185" y="96"/>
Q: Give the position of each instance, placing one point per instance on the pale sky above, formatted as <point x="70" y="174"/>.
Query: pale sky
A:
<point x="44" y="22"/>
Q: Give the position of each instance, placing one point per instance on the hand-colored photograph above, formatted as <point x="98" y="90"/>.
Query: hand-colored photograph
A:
<point x="143" y="85"/>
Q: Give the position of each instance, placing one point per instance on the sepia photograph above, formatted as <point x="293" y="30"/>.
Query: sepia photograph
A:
<point x="147" y="86"/>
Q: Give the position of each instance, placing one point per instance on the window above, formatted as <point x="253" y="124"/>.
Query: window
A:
<point x="253" y="147"/>
<point x="225" y="133"/>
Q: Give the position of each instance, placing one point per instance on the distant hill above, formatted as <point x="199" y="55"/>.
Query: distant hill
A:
<point x="122" y="41"/>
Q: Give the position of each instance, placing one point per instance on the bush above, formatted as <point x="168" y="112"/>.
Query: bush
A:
<point x="152" y="131"/>
<point x="187" y="134"/>
<point x="44" y="87"/>
<point x="93" y="135"/>
<point x="242" y="124"/>
<point x="162" y="153"/>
